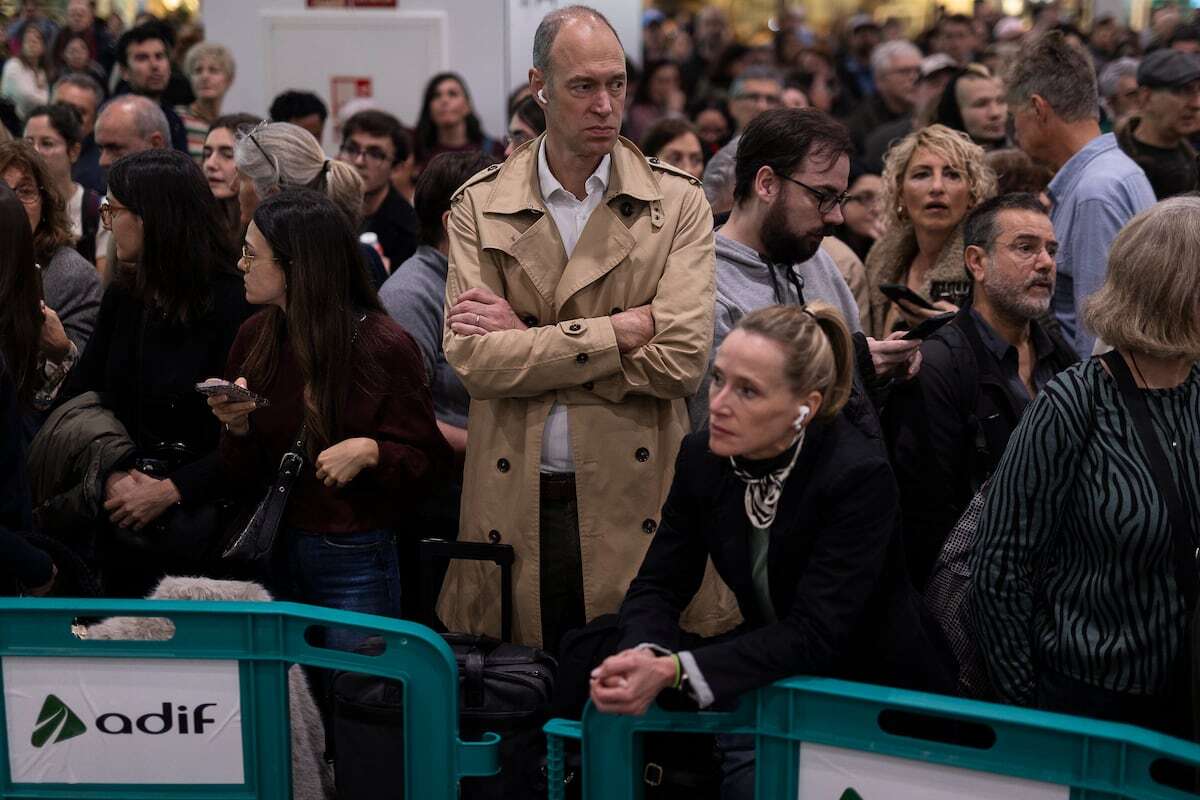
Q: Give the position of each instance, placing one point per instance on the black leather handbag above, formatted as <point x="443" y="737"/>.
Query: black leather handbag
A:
<point x="257" y="537"/>
<point x="183" y="532"/>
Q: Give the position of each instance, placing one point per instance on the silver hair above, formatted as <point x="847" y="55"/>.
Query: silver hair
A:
<point x="1121" y="68"/>
<point x="755" y="73"/>
<point x="1052" y="69"/>
<point x="883" y="55"/>
<point x="720" y="175"/>
<point x="82" y="81"/>
<point x="211" y="50"/>
<point x="148" y="117"/>
<point x="552" y="23"/>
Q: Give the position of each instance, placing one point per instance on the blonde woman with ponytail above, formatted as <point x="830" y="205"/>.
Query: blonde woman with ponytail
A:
<point x="798" y="509"/>
<point x="277" y="156"/>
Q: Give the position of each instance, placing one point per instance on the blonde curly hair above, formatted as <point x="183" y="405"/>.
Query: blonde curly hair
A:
<point x="954" y="146"/>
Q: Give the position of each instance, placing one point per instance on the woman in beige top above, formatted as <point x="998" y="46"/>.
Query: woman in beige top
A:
<point x="931" y="179"/>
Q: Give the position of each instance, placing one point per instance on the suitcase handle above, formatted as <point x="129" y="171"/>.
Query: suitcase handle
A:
<point x="435" y="550"/>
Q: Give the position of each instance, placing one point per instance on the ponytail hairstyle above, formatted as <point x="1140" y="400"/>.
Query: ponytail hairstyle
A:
<point x="279" y="155"/>
<point x="818" y="349"/>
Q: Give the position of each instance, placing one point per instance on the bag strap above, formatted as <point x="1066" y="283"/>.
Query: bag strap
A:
<point x="1183" y="538"/>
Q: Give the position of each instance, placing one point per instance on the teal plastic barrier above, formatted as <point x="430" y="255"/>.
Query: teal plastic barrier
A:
<point x="248" y="646"/>
<point x="824" y="739"/>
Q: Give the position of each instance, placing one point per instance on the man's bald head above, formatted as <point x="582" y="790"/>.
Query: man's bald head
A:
<point x="130" y="124"/>
<point x="553" y="23"/>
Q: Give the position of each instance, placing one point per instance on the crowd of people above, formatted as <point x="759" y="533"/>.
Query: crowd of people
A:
<point x="748" y="351"/>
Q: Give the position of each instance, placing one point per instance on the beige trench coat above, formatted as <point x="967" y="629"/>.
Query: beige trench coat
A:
<point x="650" y="241"/>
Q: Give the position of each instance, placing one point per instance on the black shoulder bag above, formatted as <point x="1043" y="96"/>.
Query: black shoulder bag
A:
<point x="256" y="539"/>
<point x="1183" y="538"/>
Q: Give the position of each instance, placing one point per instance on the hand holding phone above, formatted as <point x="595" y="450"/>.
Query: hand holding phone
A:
<point x="929" y="327"/>
<point x="233" y="392"/>
<point x="898" y="291"/>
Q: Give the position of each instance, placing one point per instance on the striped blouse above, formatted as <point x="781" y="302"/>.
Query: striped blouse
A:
<point x="197" y="132"/>
<point x="1073" y="569"/>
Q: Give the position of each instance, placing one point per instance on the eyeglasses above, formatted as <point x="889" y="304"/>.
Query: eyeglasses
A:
<point x="109" y="210"/>
<point x="1027" y="249"/>
<point x="760" y="97"/>
<point x="826" y="201"/>
<point x="864" y="198"/>
<point x="352" y="151"/>
<point x="249" y="258"/>
<point x="516" y="138"/>
<point x="27" y="193"/>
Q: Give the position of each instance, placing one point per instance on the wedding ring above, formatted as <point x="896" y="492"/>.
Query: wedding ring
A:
<point x="476" y="320"/>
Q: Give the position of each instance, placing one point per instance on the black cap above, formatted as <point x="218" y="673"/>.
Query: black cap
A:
<point x="1168" y="69"/>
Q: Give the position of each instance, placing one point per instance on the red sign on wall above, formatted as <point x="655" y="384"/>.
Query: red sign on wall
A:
<point x="344" y="88"/>
<point x="352" y="3"/>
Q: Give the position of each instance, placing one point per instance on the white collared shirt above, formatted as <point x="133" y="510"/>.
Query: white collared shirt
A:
<point x="570" y="216"/>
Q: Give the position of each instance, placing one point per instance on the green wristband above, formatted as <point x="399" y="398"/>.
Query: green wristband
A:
<point x="678" y="671"/>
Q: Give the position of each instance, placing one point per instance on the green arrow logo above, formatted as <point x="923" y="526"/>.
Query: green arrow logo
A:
<point x="850" y="794"/>
<point x="56" y="717"/>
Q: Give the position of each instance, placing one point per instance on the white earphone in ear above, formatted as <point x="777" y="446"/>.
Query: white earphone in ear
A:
<point x="541" y="95"/>
<point x="801" y="415"/>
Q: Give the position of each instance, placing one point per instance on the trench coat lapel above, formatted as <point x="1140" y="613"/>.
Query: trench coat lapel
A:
<point x="604" y="243"/>
<point x="540" y="252"/>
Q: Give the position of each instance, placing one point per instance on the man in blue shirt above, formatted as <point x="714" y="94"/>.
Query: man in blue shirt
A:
<point x="1097" y="189"/>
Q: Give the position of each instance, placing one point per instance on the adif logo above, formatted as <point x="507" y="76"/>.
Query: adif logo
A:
<point x="56" y="720"/>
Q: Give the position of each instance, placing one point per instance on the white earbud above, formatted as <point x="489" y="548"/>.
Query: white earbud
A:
<point x="801" y="415"/>
<point x="541" y="95"/>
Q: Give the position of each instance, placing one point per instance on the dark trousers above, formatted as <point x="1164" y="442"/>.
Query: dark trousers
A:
<point x="1169" y="711"/>
<point x="561" y="562"/>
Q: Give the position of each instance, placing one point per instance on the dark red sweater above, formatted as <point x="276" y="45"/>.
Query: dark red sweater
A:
<point x="412" y="453"/>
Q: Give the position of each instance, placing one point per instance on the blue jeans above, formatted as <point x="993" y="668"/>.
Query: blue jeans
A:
<point x="346" y="571"/>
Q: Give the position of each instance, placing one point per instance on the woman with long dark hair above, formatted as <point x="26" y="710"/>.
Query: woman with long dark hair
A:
<point x="220" y="167"/>
<point x="22" y="566"/>
<point x="349" y="383"/>
<point x="166" y="323"/>
<point x="448" y="123"/>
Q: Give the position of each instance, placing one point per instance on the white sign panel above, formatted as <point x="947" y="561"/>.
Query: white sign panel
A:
<point x="832" y="773"/>
<point x="117" y="720"/>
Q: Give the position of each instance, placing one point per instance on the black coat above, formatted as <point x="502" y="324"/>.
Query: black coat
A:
<point x="147" y="367"/>
<point x="836" y="570"/>
<point x="947" y="430"/>
<point x="20" y="562"/>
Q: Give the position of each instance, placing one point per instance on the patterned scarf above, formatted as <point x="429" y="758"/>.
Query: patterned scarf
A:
<point x="763" y="491"/>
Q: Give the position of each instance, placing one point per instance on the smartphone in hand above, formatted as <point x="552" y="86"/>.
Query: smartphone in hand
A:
<point x="218" y="386"/>
<point x="898" y="291"/>
<point x="929" y="326"/>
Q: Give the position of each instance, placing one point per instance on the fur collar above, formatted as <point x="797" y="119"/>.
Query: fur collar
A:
<point x="893" y="254"/>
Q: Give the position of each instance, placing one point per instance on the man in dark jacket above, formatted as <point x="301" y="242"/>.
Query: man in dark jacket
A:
<point x="1157" y="137"/>
<point x="949" y="427"/>
<point x="896" y="67"/>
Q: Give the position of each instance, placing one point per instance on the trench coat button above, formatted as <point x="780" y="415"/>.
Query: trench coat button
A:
<point x="654" y="160"/>
<point x="627" y="209"/>
<point x="575" y="327"/>
<point x="589" y="386"/>
<point x="530" y="321"/>
<point x="649" y="526"/>
<point x="494" y="537"/>
<point x="503" y="465"/>
<point x="581" y="358"/>
<point x="642" y="454"/>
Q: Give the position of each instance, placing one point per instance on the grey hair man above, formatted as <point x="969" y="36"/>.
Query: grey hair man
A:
<point x="130" y="124"/>
<point x="82" y="93"/>
<point x="756" y="90"/>
<point x="1096" y="189"/>
<point x="1119" y="95"/>
<point x="896" y="66"/>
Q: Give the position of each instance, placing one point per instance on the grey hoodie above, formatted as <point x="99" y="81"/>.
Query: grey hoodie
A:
<point x="744" y="284"/>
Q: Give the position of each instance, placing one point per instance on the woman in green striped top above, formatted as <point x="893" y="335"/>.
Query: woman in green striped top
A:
<point x="1073" y="596"/>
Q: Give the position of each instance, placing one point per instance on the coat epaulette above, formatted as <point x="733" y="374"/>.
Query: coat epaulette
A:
<point x="485" y="174"/>
<point x="658" y="163"/>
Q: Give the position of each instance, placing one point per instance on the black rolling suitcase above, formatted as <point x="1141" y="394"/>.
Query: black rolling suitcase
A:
<point x="503" y="688"/>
